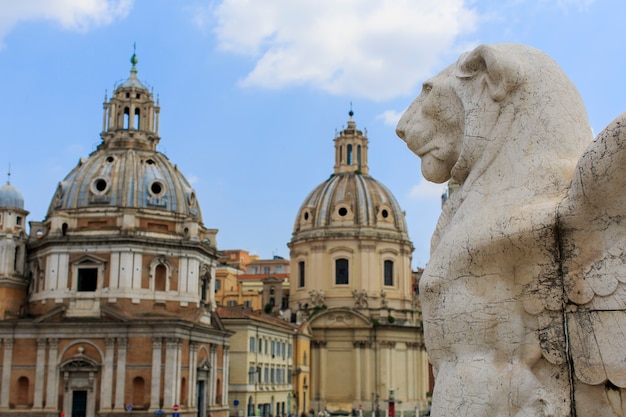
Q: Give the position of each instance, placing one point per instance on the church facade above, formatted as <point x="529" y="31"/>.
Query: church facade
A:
<point x="351" y="280"/>
<point x="107" y="306"/>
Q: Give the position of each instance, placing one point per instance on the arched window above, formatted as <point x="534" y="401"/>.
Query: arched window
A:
<point x="358" y="156"/>
<point x="139" y="392"/>
<point x="341" y="272"/>
<point x="126" y="117"/>
<point x="23" y="386"/>
<point x="301" y="274"/>
<point x="349" y="154"/>
<point x="218" y="391"/>
<point x="137" y="119"/>
<point x="160" y="277"/>
<point x="388" y="273"/>
<point x="183" y="391"/>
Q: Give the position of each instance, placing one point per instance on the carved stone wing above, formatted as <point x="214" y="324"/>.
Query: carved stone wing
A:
<point x="592" y="228"/>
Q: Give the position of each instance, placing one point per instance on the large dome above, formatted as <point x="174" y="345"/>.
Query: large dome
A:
<point x="350" y="203"/>
<point x="126" y="171"/>
<point x="126" y="178"/>
<point x="349" y="200"/>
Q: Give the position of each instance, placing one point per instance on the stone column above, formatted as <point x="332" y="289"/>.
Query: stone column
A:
<point x="179" y="367"/>
<point x="213" y="375"/>
<point x="106" y="389"/>
<point x="193" y="374"/>
<point x="226" y="376"/>
<point x="40" y="368"/>
<point x="358" y="346"/>
<point x="120" y="376"/>
<point x="171" y="362"/>
<point x="323" y="366"/>
<point x="6" y="373"/>
<point x="155" y="387"/>
<point x="367" y="370"/>
<point x="52" y="397"/>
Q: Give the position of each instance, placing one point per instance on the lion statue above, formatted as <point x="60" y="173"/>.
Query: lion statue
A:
<point x="499" y="301"/>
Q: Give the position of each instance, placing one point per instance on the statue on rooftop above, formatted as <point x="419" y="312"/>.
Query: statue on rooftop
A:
<point x="524" y="296"/>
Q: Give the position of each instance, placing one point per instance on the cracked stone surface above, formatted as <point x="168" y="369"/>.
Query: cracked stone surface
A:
<point x="524" y="296"/>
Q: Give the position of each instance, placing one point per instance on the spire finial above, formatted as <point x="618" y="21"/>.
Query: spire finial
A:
<point x="351" y="113"/>
<point x="133" y="59"/>
<point x="9" y="174"/>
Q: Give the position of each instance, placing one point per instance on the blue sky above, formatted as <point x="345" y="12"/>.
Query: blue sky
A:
<point x="252" y="91"/>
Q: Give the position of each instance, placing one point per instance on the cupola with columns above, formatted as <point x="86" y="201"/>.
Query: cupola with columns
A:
<point x="131" y="117"/>
<point x="351" y="149"/>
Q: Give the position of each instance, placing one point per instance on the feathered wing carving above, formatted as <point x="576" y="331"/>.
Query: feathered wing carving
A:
<point x="592" y="227"/>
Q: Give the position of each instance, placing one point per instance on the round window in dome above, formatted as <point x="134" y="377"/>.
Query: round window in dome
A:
<point x="156" y="188"/>
<point x="306" y="216"/>
<point x="342" y="211"/>
<point x="110" y="159"/>
<point x="99" y="186"/>
<point x="384" y="213"/>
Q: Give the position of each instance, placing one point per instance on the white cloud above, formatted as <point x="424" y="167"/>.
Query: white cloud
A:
<point x="426" y="190"/>
<point x="390" y="117"/>
<point x="79" y="15"/>
<point x="378" y="49"/>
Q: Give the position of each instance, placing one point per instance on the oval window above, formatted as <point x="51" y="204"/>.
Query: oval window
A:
<point x="156" y="188"/>
<point x="101" y="185"/>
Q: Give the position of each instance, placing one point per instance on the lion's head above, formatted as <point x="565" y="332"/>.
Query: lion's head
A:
<point x="495" y="95"/>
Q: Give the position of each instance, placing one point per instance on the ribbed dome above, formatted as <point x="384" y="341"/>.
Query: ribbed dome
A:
<point x="349" y="200"/>
<point x="11" y="197"/>
<point x="127" y="178"/>
<point x="126" y="171"/>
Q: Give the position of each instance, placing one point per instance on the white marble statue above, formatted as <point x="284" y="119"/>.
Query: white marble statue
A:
<point x="524" y="296"/>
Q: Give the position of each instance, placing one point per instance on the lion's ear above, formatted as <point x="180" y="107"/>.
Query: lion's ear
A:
<point x="501" y="72"/>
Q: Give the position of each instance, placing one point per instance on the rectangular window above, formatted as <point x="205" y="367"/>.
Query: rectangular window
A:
<point x="231" y="303"/>
<point x="255" y="270"/>
<point x="266" y="269"/>
<point x="388" y="267"/>
<point x="301" y="274"/>
<point x="251" y="374"/>
<point x="247" y="303"/>
<point x="87" y="280"/>
<point x="273" y="346"/>
<point x="18" y="220"/>
<point x="341" y="272"/>
<point x="266" y="375"/>
<point x="218" y="284"/>
<point x="252" y="339"/>
<point x="279" y="269"/>
<point x="290" y="350"/>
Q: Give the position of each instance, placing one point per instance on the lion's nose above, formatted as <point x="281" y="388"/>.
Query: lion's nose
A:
<point x="400" y="132"/>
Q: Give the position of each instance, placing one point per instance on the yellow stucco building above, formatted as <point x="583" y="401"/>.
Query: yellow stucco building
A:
<point x="351" y="281"/>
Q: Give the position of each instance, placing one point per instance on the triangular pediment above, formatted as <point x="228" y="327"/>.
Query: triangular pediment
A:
<point x="340" y="318"/>
<point x="89" y="260"/>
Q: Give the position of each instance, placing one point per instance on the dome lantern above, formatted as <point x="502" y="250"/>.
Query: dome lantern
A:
<point x="351" y="149"/>
<point x="131" y="117"/>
